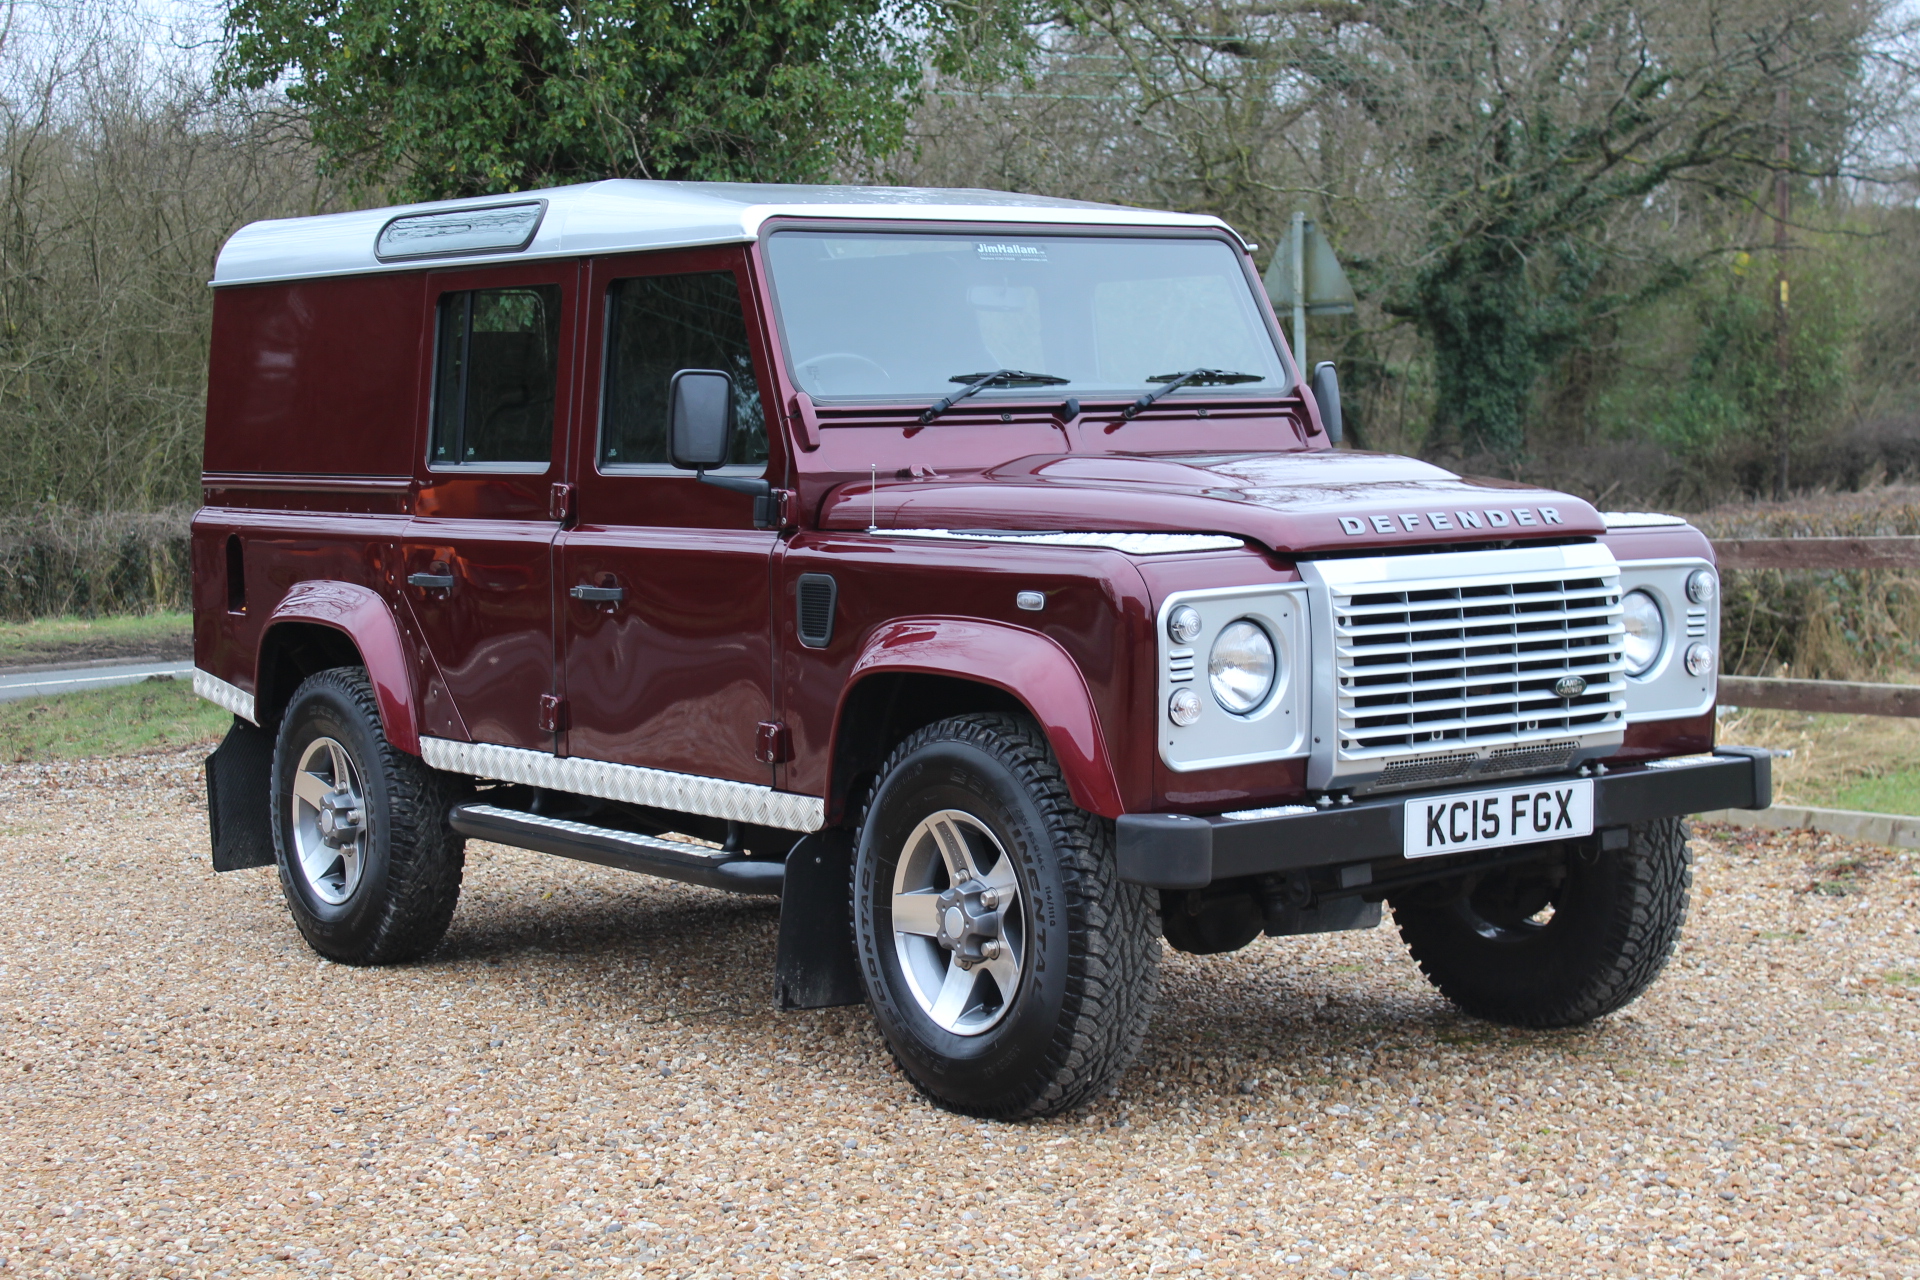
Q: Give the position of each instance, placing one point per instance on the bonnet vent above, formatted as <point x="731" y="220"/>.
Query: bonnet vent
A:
<point x="818" y="591"/>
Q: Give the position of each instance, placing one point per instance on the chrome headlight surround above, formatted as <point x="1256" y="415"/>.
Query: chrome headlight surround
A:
<point x="1274" y="726"/>
<point x="1668" y="689"/>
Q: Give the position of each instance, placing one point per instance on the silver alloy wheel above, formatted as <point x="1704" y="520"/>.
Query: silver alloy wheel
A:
<point x="958" y="925"/>
<point x="329" y="821"/>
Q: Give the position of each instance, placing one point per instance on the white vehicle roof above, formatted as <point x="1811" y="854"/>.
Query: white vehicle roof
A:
<point x="618" y="216"/>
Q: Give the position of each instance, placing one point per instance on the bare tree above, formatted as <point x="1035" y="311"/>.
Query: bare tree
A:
<point x="120" y="176"/>
<point x="1506" y="178"/>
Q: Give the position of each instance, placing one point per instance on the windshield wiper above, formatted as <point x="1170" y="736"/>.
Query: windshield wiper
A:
<point x="1193" y="377"/>
<point x="981" y="381"/>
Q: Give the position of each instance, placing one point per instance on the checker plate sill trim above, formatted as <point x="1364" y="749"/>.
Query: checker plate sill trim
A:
<point x="230" y="697"/>
<point x="630" y="784"/>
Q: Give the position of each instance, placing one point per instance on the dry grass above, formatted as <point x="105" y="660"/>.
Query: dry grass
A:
<point x="1870" y="763"/>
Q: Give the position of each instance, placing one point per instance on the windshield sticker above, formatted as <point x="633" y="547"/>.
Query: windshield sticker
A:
<point x="1001" y="251"/>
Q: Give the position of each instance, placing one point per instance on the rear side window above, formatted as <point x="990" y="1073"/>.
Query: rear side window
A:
<point x="496" y="370"/>
<point x="657" y="326"/>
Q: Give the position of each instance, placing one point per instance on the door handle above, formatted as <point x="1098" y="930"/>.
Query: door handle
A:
<point x="431" y="581"/>
<point x="599" y="595"/>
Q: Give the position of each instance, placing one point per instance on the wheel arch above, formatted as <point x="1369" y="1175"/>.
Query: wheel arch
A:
<point x="336" y="624"/>
<point x="911" y="673"/>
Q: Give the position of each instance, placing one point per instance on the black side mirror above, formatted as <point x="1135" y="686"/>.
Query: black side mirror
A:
<point x="1326" y="394"/>
<point x="699" y="419"/>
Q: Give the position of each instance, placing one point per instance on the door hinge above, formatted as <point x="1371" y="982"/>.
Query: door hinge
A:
<point x="775" y="509"/>
<point x="771" y="743"/>
<point x="553" y="713"/>
<point x="560" y="502"/>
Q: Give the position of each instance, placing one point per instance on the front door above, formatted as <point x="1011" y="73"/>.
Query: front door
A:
<point x="477" y="562"/>
<point x="666" y="632"/>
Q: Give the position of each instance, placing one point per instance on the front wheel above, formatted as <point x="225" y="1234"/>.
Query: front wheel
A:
<point x="1010" y="971"/>
<point x="1557" y="944"/>
<point x="370" y="869"/>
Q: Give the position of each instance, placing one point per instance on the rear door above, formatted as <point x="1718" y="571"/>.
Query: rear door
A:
<point x="477" y="561"/>
<point x="671" y="666"/>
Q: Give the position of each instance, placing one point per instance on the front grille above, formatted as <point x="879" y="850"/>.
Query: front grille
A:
<point x="1448" y="668"/>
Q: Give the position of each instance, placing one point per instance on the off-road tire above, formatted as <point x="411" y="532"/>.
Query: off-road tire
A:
<point x="1617" y="916"/>
<point x="410" y="881"/>
<point x="1087" y="989"/>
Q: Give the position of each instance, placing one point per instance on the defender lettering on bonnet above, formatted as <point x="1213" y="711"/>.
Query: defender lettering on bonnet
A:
<point x="616" y="537"/>
<point x="1445" y="521"/>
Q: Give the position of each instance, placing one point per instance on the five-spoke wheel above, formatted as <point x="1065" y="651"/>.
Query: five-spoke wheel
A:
<point x="329" y="821"/>
<point x="1010" y="970"/>
<point x="957" y="922"/>
<point x="370" y="869"/>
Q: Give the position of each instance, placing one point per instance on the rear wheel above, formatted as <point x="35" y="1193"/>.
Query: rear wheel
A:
<point x="1010" y="971"/>
<point x="1557" y="944"/>
<point x="370" y="869"/>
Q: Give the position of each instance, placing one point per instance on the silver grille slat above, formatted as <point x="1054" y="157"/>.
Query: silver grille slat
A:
<point x="1440" y="669"/>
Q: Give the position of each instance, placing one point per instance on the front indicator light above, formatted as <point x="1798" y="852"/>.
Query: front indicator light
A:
<point x="1699" y="659"/>
<point x="1646" y="632"/>
<point x="1183" y="624"/>
<point x="1183" y="708"/>
<point x="1702" y="586"/>
<point x="1241" y="669"/>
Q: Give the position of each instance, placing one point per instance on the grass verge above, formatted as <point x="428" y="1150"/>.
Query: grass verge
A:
<point x="1869" y="763"/>
<point x="105" y="722"/>
<point x="159" y="634"/>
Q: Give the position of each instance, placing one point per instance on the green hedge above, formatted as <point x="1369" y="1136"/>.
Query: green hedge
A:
<point x="1821" y="624"/>
<point x="57" y="561"/>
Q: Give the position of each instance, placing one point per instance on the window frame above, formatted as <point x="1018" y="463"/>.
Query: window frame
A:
<point x="439" y="286"/>
<point x="678" y="263"/>
<point x="776" y="335"/>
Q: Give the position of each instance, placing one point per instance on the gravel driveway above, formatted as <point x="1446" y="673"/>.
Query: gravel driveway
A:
<point x="589" y="1078"/>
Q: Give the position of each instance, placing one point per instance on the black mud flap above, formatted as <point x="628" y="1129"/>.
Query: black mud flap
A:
<point x="239" y="778"/>
<point x="815" y="967"/>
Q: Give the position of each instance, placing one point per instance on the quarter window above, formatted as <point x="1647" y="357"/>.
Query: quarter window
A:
<point x="495" y="374"/>
<point x="657" y="326"/>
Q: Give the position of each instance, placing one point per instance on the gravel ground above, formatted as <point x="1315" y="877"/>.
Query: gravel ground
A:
<point x="589" y="1078"/>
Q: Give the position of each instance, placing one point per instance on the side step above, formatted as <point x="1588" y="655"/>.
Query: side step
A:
<point x="625" y="850"/>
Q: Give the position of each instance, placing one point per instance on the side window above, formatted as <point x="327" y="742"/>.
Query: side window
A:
<point x="496" y="368"/>
<point x="657" y="326"/>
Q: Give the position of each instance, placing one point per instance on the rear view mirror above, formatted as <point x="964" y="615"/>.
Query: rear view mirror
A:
<point x="700" y="419"/>
<point x="1326" y="394"/>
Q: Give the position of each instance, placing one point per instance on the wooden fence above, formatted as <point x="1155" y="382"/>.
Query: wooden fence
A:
<point x="1847" y="697"/>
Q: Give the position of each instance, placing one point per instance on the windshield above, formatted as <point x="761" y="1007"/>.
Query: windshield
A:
<point x="904" y="316"/>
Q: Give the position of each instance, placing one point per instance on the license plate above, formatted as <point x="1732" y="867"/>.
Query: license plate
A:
<point x="1492" y="819"/>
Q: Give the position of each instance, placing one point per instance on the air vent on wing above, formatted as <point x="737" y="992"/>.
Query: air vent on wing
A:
<point x="817" y="592"/>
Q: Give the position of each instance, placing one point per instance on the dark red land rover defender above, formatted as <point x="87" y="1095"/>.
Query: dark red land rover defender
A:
<point x="975" y="572"/>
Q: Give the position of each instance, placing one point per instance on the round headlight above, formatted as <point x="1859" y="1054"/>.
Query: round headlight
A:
<point x="1183" y="708"/>
<point x="1183" y="624"/>
<point x="1646" y="632"/>
<point x="1701" y="585"/>
<point x="1699" y="659"/>
<point x="1241" y="667"/>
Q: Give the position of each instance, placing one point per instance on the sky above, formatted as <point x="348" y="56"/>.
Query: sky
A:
<point x="167" y="28"/>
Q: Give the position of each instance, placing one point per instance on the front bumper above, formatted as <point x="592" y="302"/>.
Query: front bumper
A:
<point x="1177" y="851"/>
